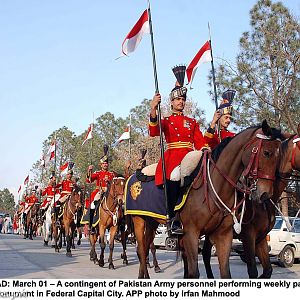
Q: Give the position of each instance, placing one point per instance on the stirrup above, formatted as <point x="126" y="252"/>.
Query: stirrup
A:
<point x="174" y="226"/>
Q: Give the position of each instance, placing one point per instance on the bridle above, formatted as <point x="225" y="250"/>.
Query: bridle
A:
<point x="252" y="172"/>
<point x="116" y="197"/>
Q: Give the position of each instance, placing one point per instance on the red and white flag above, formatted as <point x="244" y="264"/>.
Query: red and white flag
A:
<point x="64" y="169"/>
<point x="203" y="55"/>
<point x="19" y="190"/>
<point x="43" y="161"/>
<point x="135" y="35"/>
<point x="26" y="180"/>
<point x="88" y="134"/>
<point x="124" y="136"/>
<point x="51" y="152"/>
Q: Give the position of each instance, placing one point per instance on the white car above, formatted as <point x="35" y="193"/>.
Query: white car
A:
<point x="162" y="239"/>
<point x="284" y="241"/>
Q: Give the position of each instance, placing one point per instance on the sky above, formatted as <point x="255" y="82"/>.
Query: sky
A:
<point x="58" y="67"/>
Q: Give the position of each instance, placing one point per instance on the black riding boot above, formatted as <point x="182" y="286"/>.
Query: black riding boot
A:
<point x="57" y="222"/>
<point x="173" y="191"/>
<point x="92" y="229"/>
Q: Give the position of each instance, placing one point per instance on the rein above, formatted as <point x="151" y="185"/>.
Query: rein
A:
<point x="251" y="171"/>
<point x="115" y="204"/>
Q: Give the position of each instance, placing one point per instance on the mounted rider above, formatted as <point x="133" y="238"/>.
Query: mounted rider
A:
<point x="66" y="186"/>
<point x="102" y="178"/>
<point x="223" y="116"/>
<point x="29" y="202"/>
<point x="182" y="135"/>
<point x="49" y="192"/>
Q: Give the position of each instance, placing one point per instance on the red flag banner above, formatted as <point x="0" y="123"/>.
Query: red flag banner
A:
<point x="203" y="55"/>
<point x="88" y="134"/>
<point x="51" y="152"/>
<point x="124" y="136"/>
<point x="19" y="190"/>
<point x="64" y="168"/>
<point x="26" y="180"/>
<point x="135" y="35"/>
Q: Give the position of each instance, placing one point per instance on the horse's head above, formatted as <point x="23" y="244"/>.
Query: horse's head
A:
<point x="261" y="159"/>
<point x="290" y="151"/>
<point x="78" y="196"/>
<point x="116" y="189"/>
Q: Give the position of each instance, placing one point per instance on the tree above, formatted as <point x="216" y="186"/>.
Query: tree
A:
<point x="266" y="73"/>
<point x="7" y="202"/>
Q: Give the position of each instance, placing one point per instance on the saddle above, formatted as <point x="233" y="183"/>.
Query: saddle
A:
<point x="183" y="173"/>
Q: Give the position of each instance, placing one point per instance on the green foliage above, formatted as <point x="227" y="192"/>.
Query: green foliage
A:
<point x="7" y="203"/>
<point x="266" y="73"/>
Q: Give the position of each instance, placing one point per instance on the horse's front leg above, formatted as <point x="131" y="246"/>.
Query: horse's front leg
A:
<point x="206" y="254"/>
<point x="191" y="245"/>
<point x="102" y="244"/>
<point x="249" y="253"/>
<point x="139" y="229"/>
<point x="262" y="251"/>
<point x="223" y="240"/>
<point x="155" y="262"/>
<point x="93" y="254"/>
<point x="113" y="231"/>
<point x="124" y="237"/>
<point x="68" y="235"/>
<point x="79" y="236"/>
<point x="30" y="231"/>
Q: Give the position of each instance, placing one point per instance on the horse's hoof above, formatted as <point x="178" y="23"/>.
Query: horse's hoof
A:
<point x="125" y="262"/>
<point x="46" y="243"/>
<point x="101" y="263"/>
<point x="56" y="250"/>
<point x="73" y="247"/>
<point x="157" y="269"/>
<point x="52" y="246"/>
<point x="64" y="244"/>
<point x="31" y="238"/>
<point x="111" y="266"/>
<point x="78" y="243"/>
<point x="69" y="254"/>
<point x="96" y="261"/>
<point x="122" y="256"/>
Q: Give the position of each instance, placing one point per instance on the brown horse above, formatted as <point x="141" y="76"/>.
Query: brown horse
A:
<point x="68" y="226"/>
<point x="260" y="217"/>
<point x="110" y="210"/>
<point x="31" y="221"/>
<point x="210" y="206"/>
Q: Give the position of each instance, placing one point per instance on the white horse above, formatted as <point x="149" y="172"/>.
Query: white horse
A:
<point x="47" y="224"/>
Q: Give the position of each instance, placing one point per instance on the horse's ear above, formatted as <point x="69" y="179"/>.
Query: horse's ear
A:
<point x="266" y="128"/>
<point x="298" y="129"/>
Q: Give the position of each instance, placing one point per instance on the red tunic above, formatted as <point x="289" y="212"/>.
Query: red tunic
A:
<point x="101" y="178"/>
<point x="212" y="139"/>
<point x="66" y="186"/>
<point x="31" y="200"/>
<point x="182" y="136"/>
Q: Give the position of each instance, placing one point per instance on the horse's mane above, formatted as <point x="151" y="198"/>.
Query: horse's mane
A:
<point x="219" y="148"/>
<point x="284" y="145"/>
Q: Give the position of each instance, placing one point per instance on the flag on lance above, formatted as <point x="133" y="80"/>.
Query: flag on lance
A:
<point x="203" y="55"/>
<point x="26" y="180"/>
<point x="124" y="136"/>
<point x="64" y="169"/>
<point x="51" y="152"/>
<point x="136" y="34"/>
<point x="19" y="190"/>
<point x="88" y="134"/>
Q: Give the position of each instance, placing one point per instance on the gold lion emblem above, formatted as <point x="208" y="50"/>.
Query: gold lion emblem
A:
<point x="136" y="190"/>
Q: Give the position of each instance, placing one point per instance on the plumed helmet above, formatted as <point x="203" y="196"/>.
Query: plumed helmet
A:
<point x="226" y="103"/>
<point x="179" y="90"/>
<point x="104" y="158"/>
